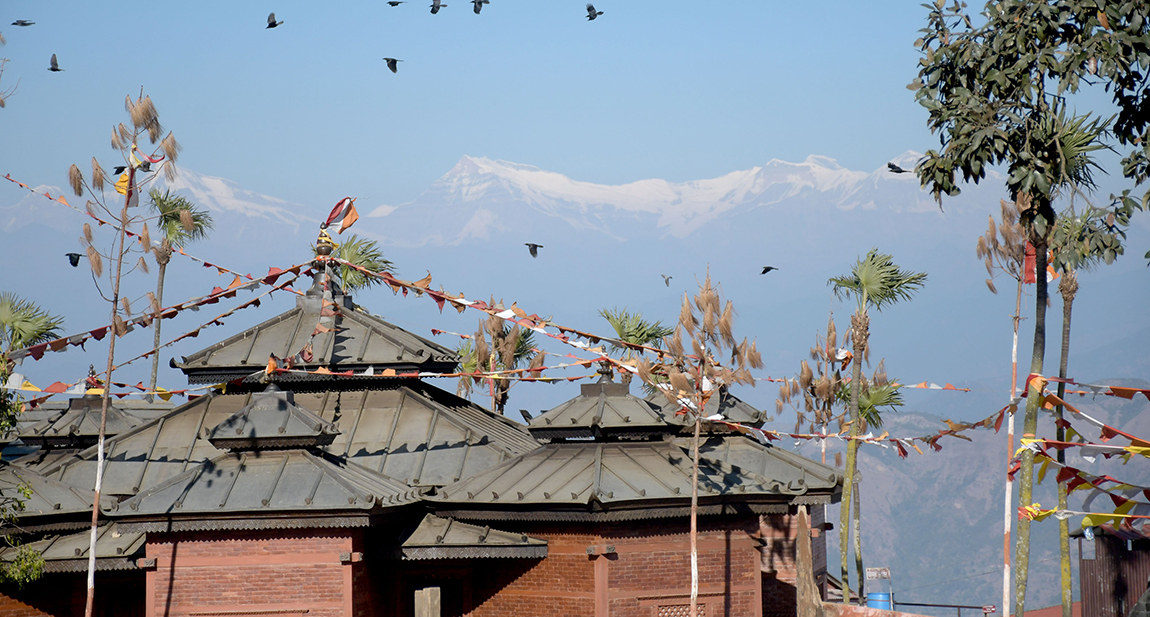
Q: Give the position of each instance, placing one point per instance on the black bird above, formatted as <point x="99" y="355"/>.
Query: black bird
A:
<point x="146" y="166"/>
<point x="895" y="169"/>
<point x="666" y="279"/>
<point x="73" y="258"/>
<point x="395" y="2"/>
<point x="767" y="269"/>
<point x="391" y="64"/>
<point x="272" y="23"/>
<point x="22" y="22"/>
<point x="534" y="248"/>
<point x="479" y="4"/>
<point x="592" y="13"/>
<point x="118" y="169"/>
<point x="435" y="6"/>
<point x="55" y="68"/>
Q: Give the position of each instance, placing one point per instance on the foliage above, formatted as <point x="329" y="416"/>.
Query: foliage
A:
<point x="996" y="94"/>
<point x="173" y="225"/>
<point x="1083" y="240"/>
<point x="632" y="328"/>
<point x="496" y="347"/>
<point x="874" y="396"/>
<point x="23" y="323"/>
<point x="876" y="281"/>
<point x="365" y="253"/>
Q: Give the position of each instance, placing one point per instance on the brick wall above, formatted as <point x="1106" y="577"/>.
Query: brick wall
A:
<point x="222" y="571"/>
<point x="64" y="594"/>
<point x="650" y="569"/>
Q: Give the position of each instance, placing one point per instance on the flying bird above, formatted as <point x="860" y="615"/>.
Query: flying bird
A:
<point x="895" y="169"/>
<point x="666" y="279"/>
<point x="391" y="64"/>
<point x="23" y="22"/>
<point x="435" y="6"/>
<point x="479" y="4"/>
<point x="53" y="66"/>
<point x="73" y="258"/>
<point x="272" y="23"/>
<point x="767" y="269"/>
<point x="395" y="2"/>
<point x="592" y="13"/>
<point x="534" y="248"/>
<point x="118" y="169"/>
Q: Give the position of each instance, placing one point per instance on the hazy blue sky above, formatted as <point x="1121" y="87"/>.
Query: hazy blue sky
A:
<point x="308" y="111"/>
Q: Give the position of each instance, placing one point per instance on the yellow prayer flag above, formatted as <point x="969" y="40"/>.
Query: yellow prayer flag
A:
<point x="122" y="184"/>
<point x="1042" y="470"/>
<point x="163" y="394"/>
<point x="1126" y="507"/>
<point x="1096" y="520"/>
<point x="28" y="386"/>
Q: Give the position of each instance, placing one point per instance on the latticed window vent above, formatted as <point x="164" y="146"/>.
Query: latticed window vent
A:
<point x="682" y="610"/>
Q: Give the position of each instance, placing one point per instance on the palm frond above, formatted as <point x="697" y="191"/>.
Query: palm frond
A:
<point x="171" y="220"/>
<point x="23" y="323"/>
<point x="632" y="328"/>
<point x="875" y="280"/>
<point x="365" y="253"/>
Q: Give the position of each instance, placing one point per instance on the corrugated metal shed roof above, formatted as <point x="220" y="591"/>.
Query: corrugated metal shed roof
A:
<point x="272" y="420"/>
<point x="786" y="467"/>
<point x="266" y="482"/>
<point x="580" y="475"/>
<point x="69" y="553"/>
<point x="412" y="432"/>
<point x="733" y="408"/>
<point x="79" y="424"/>
<point x="358" y="341"/>
<point x="603" y="408"/>
<point x="446" y="538"/>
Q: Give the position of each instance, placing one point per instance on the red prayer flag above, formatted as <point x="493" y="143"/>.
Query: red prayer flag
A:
<point x="343" y="213"/>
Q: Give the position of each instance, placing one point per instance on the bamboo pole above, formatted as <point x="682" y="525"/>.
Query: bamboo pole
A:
<point x="1007" y="518"/>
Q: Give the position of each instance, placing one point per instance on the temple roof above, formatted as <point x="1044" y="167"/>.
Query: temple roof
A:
<point x="49" y="497"/>
<point x="272" y="420"/>
<point x="602" y="408"/>
<point x="588" y="476"/>
<point x="411" y="431"/>
<point x="796" y="472"/>
<point x="266" y="481"/>
<point x="446" y="538"/>
<point x="78" y="424"/>
<point x="731" y="407"/>
<point x="358" y="341"/>
<point x="115" y="550"/>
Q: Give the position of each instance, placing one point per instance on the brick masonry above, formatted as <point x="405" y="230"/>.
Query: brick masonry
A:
<point x="634" y="569"/>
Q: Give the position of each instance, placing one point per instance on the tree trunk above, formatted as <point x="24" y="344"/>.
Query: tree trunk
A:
<point x="89" y="603"/>
<point x="857" y="524"/>
<point x="1009" y="512"/>
<point x="1068" y="287"/>
<point x="1030" y="426"/>
<point x="163" y="256"/>
<point x="860" y="331"/>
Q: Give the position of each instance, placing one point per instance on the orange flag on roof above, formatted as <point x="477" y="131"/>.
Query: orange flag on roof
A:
<point x="344" y="214"/>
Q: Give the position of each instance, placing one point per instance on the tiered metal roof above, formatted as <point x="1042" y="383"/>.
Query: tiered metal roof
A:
<point x="240" y="488"/>
<point x="635" y="479"/>
<point x="446" y="538"/>
<point x="731" y="407"/>
<point x="358" y="341"/>
<point x="115" y="550"/>
<point x="272" y="420"/>
<point x="78" y="425"/>
<point x="604" y="409"/>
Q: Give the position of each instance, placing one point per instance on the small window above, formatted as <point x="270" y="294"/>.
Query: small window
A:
<point x="681" y="610"/>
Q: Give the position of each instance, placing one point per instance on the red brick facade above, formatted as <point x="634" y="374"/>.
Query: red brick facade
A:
<point x="634" y="569"/>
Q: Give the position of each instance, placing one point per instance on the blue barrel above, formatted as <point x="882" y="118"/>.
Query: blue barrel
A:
<point x="878" y="600"/>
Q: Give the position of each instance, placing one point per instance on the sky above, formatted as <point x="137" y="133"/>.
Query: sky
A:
<point x="309" y="112"/>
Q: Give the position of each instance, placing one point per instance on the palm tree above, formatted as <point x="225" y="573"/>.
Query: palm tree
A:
<point x="875" y="281"/>
<point x="1067" y="146"/>
<point x="632" y="328"/>
<point x="179" y="223"/>
<point x="22" y="324"/>
<point x="365" y="253"/>
<point x="496" y="347"/>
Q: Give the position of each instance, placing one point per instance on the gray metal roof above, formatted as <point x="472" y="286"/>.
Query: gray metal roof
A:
<point x="69" y="553"/>
<point x="412" y="432"/>
<point x="446" y="538"/>
<point x="796" y="472"/>
<point x="357" y="341"/>
<point x="603" y="408"/>
<point x="272" y="420"/>
<point x="733" y="408"/>
<point x="586" y="475"/>
<point x="262" y="482"/>
<point x="49" y="497"/>
<point x="78" y="424"/>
